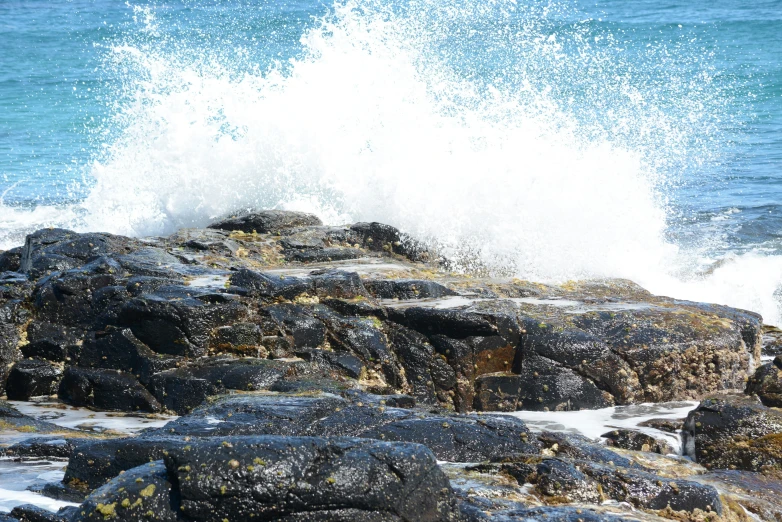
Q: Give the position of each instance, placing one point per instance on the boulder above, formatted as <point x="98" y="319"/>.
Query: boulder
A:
<point x="67" y="298"/>
<point x="106" y="390"/>
<point x="551" y="386"/>
<point x="734" y="432"/>
<point x="240" y="338"/>
<point x="56" y="249"/>
<point x="385" y="238"/>
<point x="766" y="383"/>
<point x="32" y="378"/>
<point x="94" y="463"/>
<point x="11" y="260"/>
<point x="407" y="289"/>
<point x="266" y="221"/>
<point x="52" y="342"/>
<point x="324" y="255"/>
<point x="654" y="350"/>
<point x="179" y="320"/>
<point x="637" y="441"/>
<point x="31" y="513"/>
<point x="182" y="389"/>
<point x="270" y="286"/>
<point x="50" y="448"/>
<point x="13" y="316"/>
<point x="143" y="493"/>
<point x="497" y="392"/>
<point x="119" y="349"/>
<point x="267" y="477"/>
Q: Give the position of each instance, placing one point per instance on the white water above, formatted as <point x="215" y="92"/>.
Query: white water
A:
<point x="16" y="477"/>
<point x="371" y="124"/>
<point x="594" y="423"/>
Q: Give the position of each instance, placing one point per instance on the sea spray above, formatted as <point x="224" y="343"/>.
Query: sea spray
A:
<point x="518" y="139"/>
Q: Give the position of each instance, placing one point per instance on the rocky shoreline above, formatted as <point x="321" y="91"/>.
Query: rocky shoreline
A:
<point x="337" y="374"/>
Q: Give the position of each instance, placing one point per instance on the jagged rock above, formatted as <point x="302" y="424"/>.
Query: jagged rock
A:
<point x="550" y="386"/>
<point x="13" y="316"/>
<point x="11" y="260"/>
<point x="766" y="383"/>
<point x="324" y="255"/>
<point x="653" y="351"/>
<point x="106" y="390"/>
<point x="637" y="441"/>
<point x="144" y="493"/>
<point x="271" y="286"/>
<point x="580" y="481"/>
<point x="266" y="221"/>
<point x="456" y="324"/>
<point x="66" y="298"/>
<point x="240" y="338"/>
<point x="338" y="284"/>
<point x="182" y="389"/>
<point x="578" y="447"/>
<point x="298" y="323"/>
<point x="270" y="477"/>
<point x="454" y="438"/>
<point x="59" y="491"/>
<point x="771" y="341"/>
<point x="118" y="349"/>
<point x="379" y="237"/>
<point x="140" y="285"/>
<point x="31" y="513"/>
<point x="32" y="378"/>
<point x="460" y="439"/>
<point x="497" y="391"/>
<point x="94" y="463"/>
<point x="734" y="432"/>
<point x="56" y="249"/>
<point x="52" y="342"/>
<point x="178" y="320"/>
<point x="56" y="448"/>
<point x="150" y="262"/>
<point x="367" y="341"/>
<point x="418" y="358"/>
<point x="407" y="289"/>
<point x="341" y="362"/>
<point x="256" y="415"/>
<point x="206" y="240"/>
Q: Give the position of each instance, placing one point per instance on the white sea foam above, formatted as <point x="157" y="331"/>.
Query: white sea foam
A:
<point x="553" y="168"/>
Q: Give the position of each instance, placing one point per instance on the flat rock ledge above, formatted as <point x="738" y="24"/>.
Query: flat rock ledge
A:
<point x="342" y="373"/>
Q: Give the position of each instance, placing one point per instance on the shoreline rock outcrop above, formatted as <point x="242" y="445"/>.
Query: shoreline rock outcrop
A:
<point x="321" y="373"/>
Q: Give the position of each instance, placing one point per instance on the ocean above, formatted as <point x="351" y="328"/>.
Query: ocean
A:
<point x="541" y="140"/>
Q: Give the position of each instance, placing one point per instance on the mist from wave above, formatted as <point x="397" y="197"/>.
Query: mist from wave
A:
<point x="518" y="139"/>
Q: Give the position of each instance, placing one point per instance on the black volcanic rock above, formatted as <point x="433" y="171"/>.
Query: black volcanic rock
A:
<point x="143" y="493"/>
<point x="734" y="432"/>
<point x="105" y="389"/>
<point x="266" y="221"/>
<point x="766" y="383"/>
<point x="271" y="477"/>
<point x="32" y="378"/>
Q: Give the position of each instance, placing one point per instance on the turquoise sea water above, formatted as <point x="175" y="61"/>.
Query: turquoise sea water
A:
<point x="638" y="139"/>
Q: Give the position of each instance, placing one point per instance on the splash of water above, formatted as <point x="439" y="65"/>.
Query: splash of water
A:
<point x="516" y="138"/>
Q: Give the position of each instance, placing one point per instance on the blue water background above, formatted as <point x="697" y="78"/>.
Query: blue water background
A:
<point x="57" y="96"/>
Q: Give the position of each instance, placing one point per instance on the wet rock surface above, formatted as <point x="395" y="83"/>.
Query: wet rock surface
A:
<point x="321" y="372"/>
<point x="735" y="432"/>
